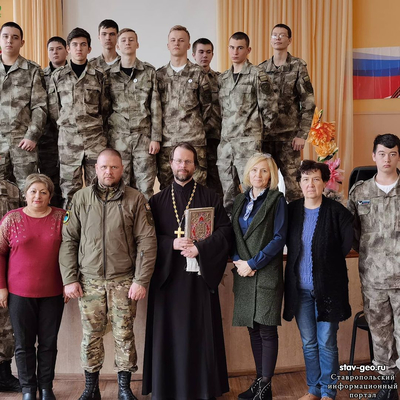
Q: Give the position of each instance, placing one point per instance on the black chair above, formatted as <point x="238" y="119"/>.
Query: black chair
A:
<point x="361" y="174"/>
<point x="360" y="323"/>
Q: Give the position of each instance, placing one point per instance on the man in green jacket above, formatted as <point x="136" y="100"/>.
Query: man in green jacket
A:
<point x="107" y="258"/>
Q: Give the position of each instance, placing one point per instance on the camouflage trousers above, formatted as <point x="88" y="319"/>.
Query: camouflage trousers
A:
<point x="6" y="336"/>
<point x="140" y="168"/>
<point x="288" y="161"/>
<point x="77" y="153"/>
<point x="382" y="312"/>
<point x="165" y="175"/>
<point x="105" y="300"/>
<point x="16" y="163"/>
<point x="49" y="164"/>
<point x="232" y="158"/>
<point x="213" y="181"/>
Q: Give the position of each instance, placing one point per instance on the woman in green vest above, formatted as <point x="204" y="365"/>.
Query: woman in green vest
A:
<point x="259" y="221"/>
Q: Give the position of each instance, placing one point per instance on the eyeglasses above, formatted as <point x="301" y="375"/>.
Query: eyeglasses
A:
<point x="185" y="162"/>
<point x="278" y="35"/>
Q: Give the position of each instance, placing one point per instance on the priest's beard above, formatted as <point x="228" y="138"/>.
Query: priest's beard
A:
<point x="183" y="176"/>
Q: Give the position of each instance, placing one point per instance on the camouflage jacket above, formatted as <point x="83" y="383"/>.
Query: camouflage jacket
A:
<point x="108" y="239"/>
<point x="23" y="106"/>
<point x="10" y="197"/>
<point x="296" y="99"/>
<point x="248" y="103"/>
<point x="78" y="105"/>
<point x="377" y="233"/>
<point x="214" y="125"/>
<point x="135" y="102"/>
<point x="186" y="104"/>
<point x="99" y="63"/>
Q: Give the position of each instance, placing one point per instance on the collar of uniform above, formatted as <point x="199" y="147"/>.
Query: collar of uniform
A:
<point x="270" y="66"/>
<point x="380" y="193"/>
<point x="213" y="73"/>
<point x="171" y="72"/>
<point x="245" y="70"/>
<point x="20" y="62"/>
<point x="119" y="192"/>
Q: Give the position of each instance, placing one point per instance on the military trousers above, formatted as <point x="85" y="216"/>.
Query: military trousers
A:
<point x="78" y="152"/>
<point x="288" y="161"/>
<point x="165" y="175"/>
<point x="105" y="300"/>
<point x="140" y="167"/>
<point x="16" y="163"/>
<point x="232" y="158"/>
<point x="382" y="312"/>
<point x="6" y="336"/>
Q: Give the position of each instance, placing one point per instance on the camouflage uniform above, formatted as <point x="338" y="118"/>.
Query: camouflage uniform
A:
<point x="112" y="232"/>
<point x="136" y="119"/>
<point x="296" y="110"/>
<point x="23" y="113"/>
<point x="213" y="135"/>
<point x="80" y="108"/>
<point x="10" y="198"/>
<point x="377" y="239"/>
<point x="99" y="63"/>
<point x="186" y="110"/>
<point x="49" y="163"/>
<point x="248" y="106"/>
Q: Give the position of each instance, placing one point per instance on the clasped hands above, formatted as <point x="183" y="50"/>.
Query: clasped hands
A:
<point x="186" y="245"/>
<point x="243" y="268"/>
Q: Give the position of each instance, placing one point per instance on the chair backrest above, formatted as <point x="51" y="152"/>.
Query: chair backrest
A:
<point x="361" y="174"/>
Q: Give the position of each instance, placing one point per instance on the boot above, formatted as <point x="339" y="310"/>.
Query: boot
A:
<point x="264" y="391"/>
<point x="388" y="394"/>
<point x="8" y="382"/>
<point x="251" y="391"/>
<point x="92" y="391"/>
<point x="124" y="386"/>
<point x="46" y="394"/>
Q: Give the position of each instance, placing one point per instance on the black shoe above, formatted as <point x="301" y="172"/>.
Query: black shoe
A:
<point x="8" y="382"/>
<point x="124" y="386"/>
<point x="390" y="393"/>
<point x="46" y="394"/>
<point x="264" y="391"/>
<point x="251" y="391"/>
<point x="91" y="391"/>
<point x="29" y="396"/>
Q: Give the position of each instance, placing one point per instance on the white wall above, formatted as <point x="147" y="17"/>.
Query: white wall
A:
<point x="151" y="19"/>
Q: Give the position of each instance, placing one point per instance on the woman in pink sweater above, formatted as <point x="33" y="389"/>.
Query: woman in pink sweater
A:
<point x="31" y="285"/>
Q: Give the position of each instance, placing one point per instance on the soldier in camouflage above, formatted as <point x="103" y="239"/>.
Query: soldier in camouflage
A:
<point x="375" y="205"/>
<point x="186" y="106"/>
<point x="135" y="123"/>
<point x="248" y="106"/>
<point x="23" y="107"/>
<point x="49" y="163"/>
<point x="108" y="31"/>
<point x="296" y="109"/>
<point x="79" y="105"/>
<point x="108" y="268"/>
<point x="203" y="53"/>
<point x="10" y="199"/>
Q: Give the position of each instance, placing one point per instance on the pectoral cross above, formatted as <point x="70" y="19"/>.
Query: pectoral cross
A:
<point x="179" y="232"/>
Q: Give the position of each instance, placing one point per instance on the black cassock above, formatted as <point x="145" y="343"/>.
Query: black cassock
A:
<point x="184" y="355"/>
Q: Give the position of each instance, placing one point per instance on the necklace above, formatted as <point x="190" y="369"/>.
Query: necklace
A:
<point x="180" y="232"/>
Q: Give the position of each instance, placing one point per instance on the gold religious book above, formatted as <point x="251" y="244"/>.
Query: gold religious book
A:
<point x="199" y="223"/>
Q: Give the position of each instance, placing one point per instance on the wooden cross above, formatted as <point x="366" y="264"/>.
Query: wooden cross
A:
<point x="179" y="232"/>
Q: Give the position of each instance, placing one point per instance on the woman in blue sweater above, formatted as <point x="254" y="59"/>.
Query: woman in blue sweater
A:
<point x="316" y="282"/>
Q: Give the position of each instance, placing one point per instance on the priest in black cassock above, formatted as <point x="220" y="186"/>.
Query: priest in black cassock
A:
<point x="184" y="356"/>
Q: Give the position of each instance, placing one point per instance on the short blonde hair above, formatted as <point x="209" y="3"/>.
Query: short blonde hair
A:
<point x="273" y="169"/>
<point x="179" y="28"/>
<point x="33" y="178"/>
<point x="125" y="30"/>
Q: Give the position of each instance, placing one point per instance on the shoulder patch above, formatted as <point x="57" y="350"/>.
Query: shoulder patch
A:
<point x="66" y="218"/>
<point x="307" y="84"/>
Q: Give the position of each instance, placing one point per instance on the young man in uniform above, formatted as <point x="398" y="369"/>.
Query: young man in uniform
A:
<point x="23" y="107"/>
<point x="49" y="163"/>
<point x="77" y="101"/>
<point x="186" y="105"/>
<point x="249" y="106"/>
<point x="296" y="108"/>
<point x="375" y="204"/>
<point x="108" y="31"/>
<point x="135" y="123"/>
<point x="203" y="53"/>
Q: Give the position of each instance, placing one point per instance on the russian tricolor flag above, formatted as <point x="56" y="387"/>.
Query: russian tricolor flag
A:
<point x="376" y="73"/>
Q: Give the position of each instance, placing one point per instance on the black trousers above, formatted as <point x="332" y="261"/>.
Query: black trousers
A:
<point x="35" y="319"/>
<point x="264" y="344"/>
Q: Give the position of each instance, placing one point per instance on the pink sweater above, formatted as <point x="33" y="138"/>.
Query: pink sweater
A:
<point x="30" y="248"/>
